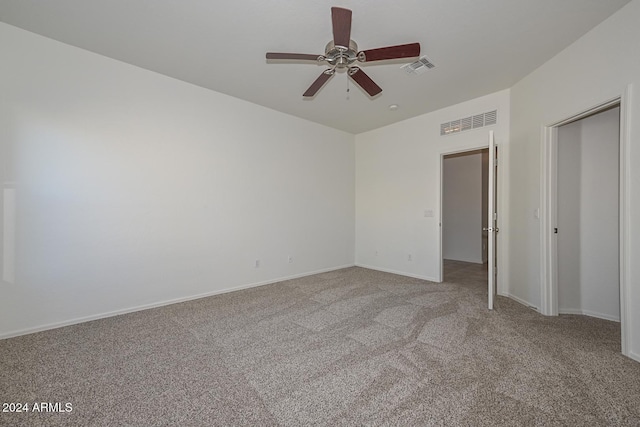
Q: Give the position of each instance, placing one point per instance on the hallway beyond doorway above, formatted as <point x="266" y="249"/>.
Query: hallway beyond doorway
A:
<point x="468" y="273"/>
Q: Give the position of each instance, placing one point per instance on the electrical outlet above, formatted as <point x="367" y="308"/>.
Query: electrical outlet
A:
<point x="290" y="259"/>
<point x="257" y="264"/>
<point x="410" y="257"/>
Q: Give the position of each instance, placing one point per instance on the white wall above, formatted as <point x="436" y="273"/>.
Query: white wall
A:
<point x="588" y="262"/>
<point x="462" y="208"/>
<point x="596" y="68"/>
<point x="398" y="178"/>
<point x="134" y="189"/>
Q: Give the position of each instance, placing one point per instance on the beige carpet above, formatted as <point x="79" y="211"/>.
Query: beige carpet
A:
<point x="350" y="347"/>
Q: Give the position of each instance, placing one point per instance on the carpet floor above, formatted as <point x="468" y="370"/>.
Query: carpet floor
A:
<point x="348" y="347"/>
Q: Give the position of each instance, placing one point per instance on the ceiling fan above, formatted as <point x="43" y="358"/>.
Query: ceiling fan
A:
<point x="342" y="52"/>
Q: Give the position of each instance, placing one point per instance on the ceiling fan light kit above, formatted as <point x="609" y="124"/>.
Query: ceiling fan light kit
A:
<point x="342" y="53"/>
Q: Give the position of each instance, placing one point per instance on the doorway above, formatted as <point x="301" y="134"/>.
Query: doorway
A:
<point x="465" y="184"/>
<point x="549" y="213"/>
<point x="587" y="215"/>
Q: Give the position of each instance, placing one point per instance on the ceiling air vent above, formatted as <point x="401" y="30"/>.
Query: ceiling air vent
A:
<point x="420" y="66"/>
<point x="468" y="123"/>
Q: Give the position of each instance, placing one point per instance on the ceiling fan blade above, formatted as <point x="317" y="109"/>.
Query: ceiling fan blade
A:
<point x="294" y="56"/>
<point x="390" y="52"/>
<point x="341" y="19"/>
<point x="364" y="81"/>
<point x="315" y="87"/>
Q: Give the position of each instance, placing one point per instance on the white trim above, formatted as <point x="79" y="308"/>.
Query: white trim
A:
<point x="634" y="356"/>
<point x="470" y="261"/>
<point x="520" y="301"/>
<point x="589" y="111"/>
<point x="491" y="215"/>
<point x="440" y="202"/>
<point x="547" y="284"/>
<point x="625" y="219"/>
<point x="161" y="304"/>
<point x="465" y="150"/>
<point x="399" y="273"/>
<point x="589" y="313"/>
<point x="548" y="181"/>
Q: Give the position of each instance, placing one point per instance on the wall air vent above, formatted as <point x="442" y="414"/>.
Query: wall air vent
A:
<point x="468" y="123"/>
<point x="465" y="124"/>
<point x="420" y="66"/>
<point x="478" y="121"/>
<point x="491" y="118"/>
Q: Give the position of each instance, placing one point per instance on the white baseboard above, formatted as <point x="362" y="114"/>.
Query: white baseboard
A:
<point x="77" y="320"/>
<point x="399" y="273"/>
<point x="564" y="311"/>
<point x="470" y="261"/>
<point x="634" y="356"/>
<point x="588" y="313"/>
<point x="520" y="301"/>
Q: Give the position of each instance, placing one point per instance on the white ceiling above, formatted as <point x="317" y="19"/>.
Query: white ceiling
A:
<point x="478" y="47"/>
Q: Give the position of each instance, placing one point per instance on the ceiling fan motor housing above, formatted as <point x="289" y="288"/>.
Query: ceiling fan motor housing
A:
<point x="340" y="56"/>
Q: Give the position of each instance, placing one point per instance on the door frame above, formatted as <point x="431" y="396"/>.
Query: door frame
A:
<point x="548" y="203"/>
<point x="499" y="207"/>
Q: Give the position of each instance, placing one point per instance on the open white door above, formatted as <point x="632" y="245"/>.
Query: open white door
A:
<point x="492" y="218"/>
